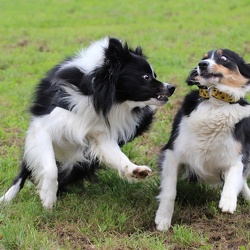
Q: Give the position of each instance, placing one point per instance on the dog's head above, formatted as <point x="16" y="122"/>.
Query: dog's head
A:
<point x="127" y="76"/>
<point x="223" y="69"/>
<point x="138" y="82"/>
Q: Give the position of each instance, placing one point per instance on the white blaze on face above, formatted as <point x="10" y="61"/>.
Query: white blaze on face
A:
<point x="153" y="73"/>
<point x="210" y="62"/>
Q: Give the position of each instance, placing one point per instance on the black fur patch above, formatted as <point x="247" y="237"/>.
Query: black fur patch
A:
<point x="242" y="135"/>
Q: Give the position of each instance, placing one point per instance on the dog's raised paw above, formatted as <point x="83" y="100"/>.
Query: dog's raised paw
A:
<point x="135" y="173"/>
<point x="141" y="173"/>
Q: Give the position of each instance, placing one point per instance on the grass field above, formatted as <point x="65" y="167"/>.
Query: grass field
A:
<point x="110" y="213"/>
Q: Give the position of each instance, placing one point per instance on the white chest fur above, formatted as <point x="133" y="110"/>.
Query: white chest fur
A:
<point x="206" y="143"/>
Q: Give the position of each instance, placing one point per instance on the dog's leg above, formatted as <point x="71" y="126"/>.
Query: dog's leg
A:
<point x="233" y="185"/>
<point x="246" y="191"/>
<point x="17" y="184"/>
<point x="170" y="168"/>
<point x="109" y="152"/>
<point x="39" y="155"/>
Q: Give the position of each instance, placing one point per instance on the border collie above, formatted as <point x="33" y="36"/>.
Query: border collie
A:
<point x="210" y="137"/>
<point x="84" y="110"/>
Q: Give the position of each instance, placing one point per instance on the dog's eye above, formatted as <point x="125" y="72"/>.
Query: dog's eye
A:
<point x="223" y="58"/>
<point x="146" y="77"/>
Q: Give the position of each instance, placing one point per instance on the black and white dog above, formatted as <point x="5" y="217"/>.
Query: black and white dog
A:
<point x="83" y="111"/>
<point x="210" y="138"/>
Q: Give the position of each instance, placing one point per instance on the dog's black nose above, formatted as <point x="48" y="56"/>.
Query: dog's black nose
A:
<point x="171" y="89"/>
<point x="203" y="64"/>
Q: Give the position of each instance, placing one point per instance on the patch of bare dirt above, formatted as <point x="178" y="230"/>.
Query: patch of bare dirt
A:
<point x="222" y="231"/>
<point x="67" y="234"/>
<point x="22" y="43"/>
<point x="44" y="48"/>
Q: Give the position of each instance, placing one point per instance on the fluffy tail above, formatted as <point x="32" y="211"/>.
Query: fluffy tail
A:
<point x="17" y="184"/>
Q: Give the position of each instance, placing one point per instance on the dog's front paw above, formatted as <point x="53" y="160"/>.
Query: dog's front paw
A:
<point x="162" y="221"/>
<point x="142" y="172"/>
<point x="136" y="173"/>
<point x="48" y="201"/>
<point x="48" y="198"/>
<point x="228" y="204"/>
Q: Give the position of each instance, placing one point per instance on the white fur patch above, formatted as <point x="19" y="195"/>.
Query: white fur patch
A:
<point x="11" y="193"/>
<point x="207" y="131"/>
<point x="90" y="58"/>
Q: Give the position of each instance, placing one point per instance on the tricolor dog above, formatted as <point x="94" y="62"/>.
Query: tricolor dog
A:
<point x="210" y="139"/>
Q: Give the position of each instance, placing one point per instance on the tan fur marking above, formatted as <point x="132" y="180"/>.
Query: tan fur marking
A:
<point x="219" y="51"/>
<point x="230" y="78"/>
<point x="197" y="78"/>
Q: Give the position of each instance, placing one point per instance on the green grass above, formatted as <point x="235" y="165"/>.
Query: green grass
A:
<point x="110" y="213"/>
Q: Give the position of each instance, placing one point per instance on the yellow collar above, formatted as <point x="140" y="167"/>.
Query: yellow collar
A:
<point x="214" y="92"/>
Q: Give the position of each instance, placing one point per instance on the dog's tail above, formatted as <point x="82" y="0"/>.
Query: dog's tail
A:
<point x="17" y="184"/>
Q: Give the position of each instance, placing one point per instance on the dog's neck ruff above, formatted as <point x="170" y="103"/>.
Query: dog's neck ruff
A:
<point x="206" y="93"/>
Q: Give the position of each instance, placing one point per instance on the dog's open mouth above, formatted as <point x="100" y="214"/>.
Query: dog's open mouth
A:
<point x="163" y="95"/>
<point x="207" y="75"/>
<point x="162" y="98"/>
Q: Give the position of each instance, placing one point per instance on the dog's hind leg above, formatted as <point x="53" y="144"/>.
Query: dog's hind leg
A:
<point x="17" y="184"/>
<point x="246" y="191"/>
<point x="40" y="157"/>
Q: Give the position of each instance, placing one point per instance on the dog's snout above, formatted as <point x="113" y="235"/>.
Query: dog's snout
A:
<point x="171" y="89"/>
<point x="203" y="64"/>
<point x="165" y="91"/>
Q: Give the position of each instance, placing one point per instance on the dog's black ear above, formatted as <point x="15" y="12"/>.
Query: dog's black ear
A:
<point x="138" y="51"/>
<point x="115" y="52"/>
<point x="248" y="67"/>
<point x="244" y="69"/>
<point x="193" y="78"/>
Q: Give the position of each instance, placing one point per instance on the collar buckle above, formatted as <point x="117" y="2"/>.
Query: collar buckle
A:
<point x="210" y="89"/>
